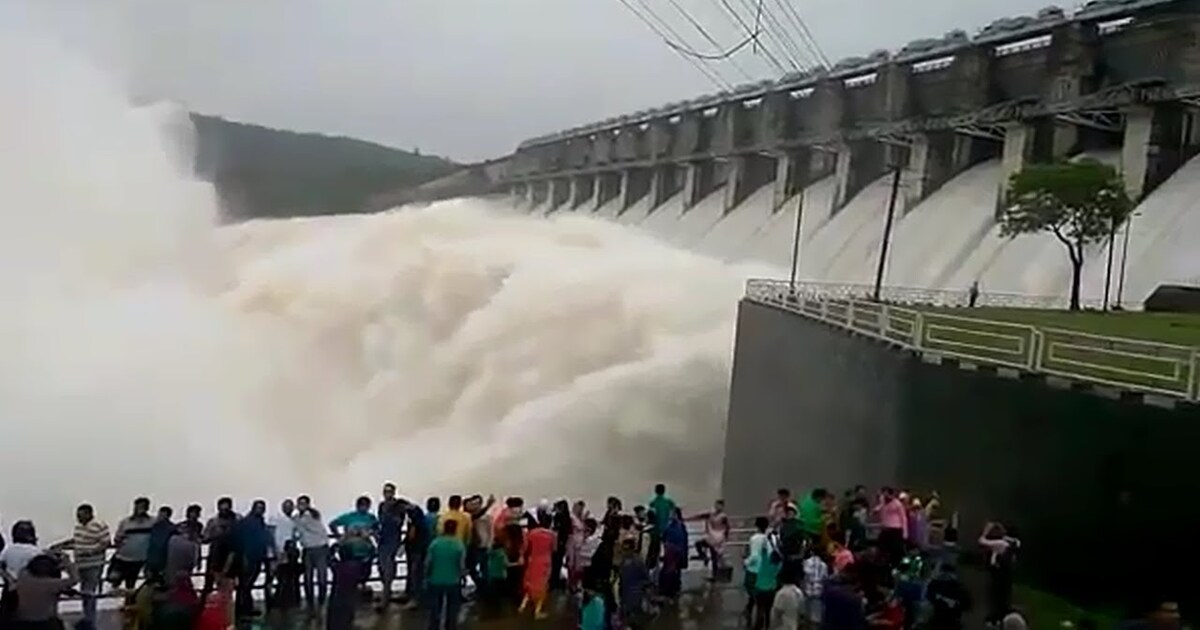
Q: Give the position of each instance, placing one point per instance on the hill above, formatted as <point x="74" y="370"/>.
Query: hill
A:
<point x="264" y="172"/>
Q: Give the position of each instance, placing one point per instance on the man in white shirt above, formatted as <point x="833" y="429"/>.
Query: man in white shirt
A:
<point x="283" y="528"/>
<point x="314" y="545"/>
<point x="788" y="604"/>
<point x="24" y="548"/>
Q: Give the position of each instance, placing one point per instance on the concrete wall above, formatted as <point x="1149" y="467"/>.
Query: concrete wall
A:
<point x="1083" y="478"/>
<point x="1046" y="81"/>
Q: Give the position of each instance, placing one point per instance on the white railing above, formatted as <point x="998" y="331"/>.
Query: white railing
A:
<point x="899" y="319"/>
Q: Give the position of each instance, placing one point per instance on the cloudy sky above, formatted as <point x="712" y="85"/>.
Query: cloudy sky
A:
<point x="463" y="78"/>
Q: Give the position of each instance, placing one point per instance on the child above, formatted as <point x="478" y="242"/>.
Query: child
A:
<point x="592" y="616"/>
<point x="788" y="604"/>
<point x="348" y="573"/>
<point x="286" y="599"/>
<point x="633" y="580"/>
<point x="496" y="577"/>
<point x="218" y="608"/>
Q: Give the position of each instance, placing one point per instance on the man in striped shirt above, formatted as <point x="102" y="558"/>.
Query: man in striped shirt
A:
<point x="90" y="543"/>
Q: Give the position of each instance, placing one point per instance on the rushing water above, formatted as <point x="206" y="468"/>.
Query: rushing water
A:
<point x="145" y="349"/>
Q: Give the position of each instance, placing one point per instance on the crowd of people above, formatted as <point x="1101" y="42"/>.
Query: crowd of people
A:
<point x="813" y="561"/>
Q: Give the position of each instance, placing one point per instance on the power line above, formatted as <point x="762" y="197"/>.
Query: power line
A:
<point x="806" y="36"/>
<point x="712" y="40"/>
<point x="781" y="43"/>
<point x="749" y="31"/>
<point x="715" y="78"/>
<point x="680" y="42"/>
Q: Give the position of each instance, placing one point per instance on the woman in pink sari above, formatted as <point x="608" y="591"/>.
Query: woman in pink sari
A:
<point x="574" y="544"/>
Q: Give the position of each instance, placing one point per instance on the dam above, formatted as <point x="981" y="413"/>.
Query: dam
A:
<point x="732" y="174"/>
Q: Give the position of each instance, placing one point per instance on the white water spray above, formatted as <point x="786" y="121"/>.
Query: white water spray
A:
<point x="453" y="348"/>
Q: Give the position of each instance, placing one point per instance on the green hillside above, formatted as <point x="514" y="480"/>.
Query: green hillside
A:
<point x="264" y="172"/>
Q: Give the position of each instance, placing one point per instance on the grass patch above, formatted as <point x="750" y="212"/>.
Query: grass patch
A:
<point x="1043" y="610"/>
<point x="1174" y="328"/>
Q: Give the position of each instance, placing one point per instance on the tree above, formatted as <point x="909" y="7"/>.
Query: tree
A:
<point x="1079" y="202"/>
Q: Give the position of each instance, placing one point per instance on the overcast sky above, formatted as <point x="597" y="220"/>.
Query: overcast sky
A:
<point x="464" y="78"/>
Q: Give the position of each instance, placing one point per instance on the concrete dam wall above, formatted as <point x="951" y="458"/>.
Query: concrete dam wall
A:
<point x="726" y="174"/>
<point x="814" y="406"/>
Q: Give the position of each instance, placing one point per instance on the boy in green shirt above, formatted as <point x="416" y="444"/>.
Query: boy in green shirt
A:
<point x="445" y="564"/>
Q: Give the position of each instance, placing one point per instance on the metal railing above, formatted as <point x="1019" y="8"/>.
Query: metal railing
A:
<point x="1145" y="366"/>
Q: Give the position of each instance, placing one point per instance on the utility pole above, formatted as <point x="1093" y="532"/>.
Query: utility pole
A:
<point x="796" y="244"/>
<point x="1112" y="236"/>
<point x="1124" y="258"/>
<point x="887" y="234"/>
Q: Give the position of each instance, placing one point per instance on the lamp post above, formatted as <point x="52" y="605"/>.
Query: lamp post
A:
<point x="796" y="244"/>
<point x="887" y="234"/>
<point x="1124" y="258"/>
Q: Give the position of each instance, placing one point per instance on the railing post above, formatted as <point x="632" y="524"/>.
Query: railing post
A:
<point x="918" y="340"/>
<point x="850" y="313"/>
<point x="883" y="321"/>
<point x="1037" y="344"/>
<point x="824" y="309"/>
<point x="1194" y="384"/>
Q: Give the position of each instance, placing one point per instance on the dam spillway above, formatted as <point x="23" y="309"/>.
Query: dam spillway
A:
<point x="725" y="174"/>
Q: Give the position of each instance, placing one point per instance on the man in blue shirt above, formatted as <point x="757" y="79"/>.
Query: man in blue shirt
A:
<point x="252" y="542"/>
<point x="355" y="532"/>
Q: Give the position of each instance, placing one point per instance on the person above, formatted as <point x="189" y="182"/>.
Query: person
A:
<point x="792" y="538"/>
<point x="445" y="565"/>
<point x="812" y="514"/>
<point x="89" y="542"/>
<point x="288" y="572"/>
<point x="815" y="573"/>
<point x="252" y="546"/>
<point x="587" y="549"/>
<point x="766" y="581"/>
<point x="973" y="294"/>
<point x="841" y="556"/>
<point x="579" y="534"/>
<point x="560" y="524"/>
<point x="218" y="534"/>
<point x="592" y="616"/>
<point x="217" y="612"/>
<point x="354" y="531"/>
<point x="890" y="615"/>
<point x="13" y="560"/>
<point x="662" y="508"/>
<point x="539" y="549"/>
<point x="1014" y="620"/>
<point x="1001" y="549"/>
<point x="132" y="541"/>
<point x="40" y="585"/>
<point x="454" y="512"/>
<point x="893" y="521"/>
<point x="918" y="525"/>
<point x="183" y="555"/>
<point x="842" y="603"/>
<point x="347" y="569"/>
<point x="495" y="576"/>
<point x="282" y="527"/>
<point x="417" y="537"/>
<point x="482" y="534"/>
<point x="314" y="553"/>
<point x="633" y="583"/>
<point x="674" y="560"/>
<point x="433" y="508"/>
<point x="192" y="526"/>
<point x="948" y="599"/>
<point x="852" y="520"/>
<point x="156" y="549"/>
<point x="716" y="532"/>
<point x="783" y="498"/>
<point x="390" y="513"/>
<point x="754" y="555"/>
<point x="177" y="605"/>
<point x="789" y="603"/>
